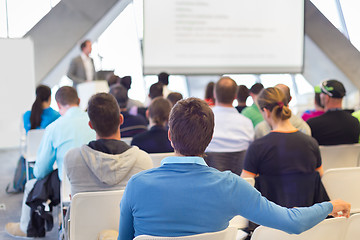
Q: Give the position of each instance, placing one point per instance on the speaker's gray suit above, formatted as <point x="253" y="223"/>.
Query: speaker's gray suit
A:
<point x="76" y="70"/>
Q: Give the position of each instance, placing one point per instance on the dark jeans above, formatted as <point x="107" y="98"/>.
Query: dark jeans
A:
<point x="233" y="161"/>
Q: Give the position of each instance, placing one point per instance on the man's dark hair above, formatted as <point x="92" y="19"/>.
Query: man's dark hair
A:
<point x="126" y="82"/>
<point x="67" y="96"/>
<point x="159" y="110"/>
<point x="174" y="97"/>
<point x="113" y="79"/>
<point x="242" y="94"/>
<point x="256" y="88"/>
<point x="191" y="125"/>
<point x="209" y="91"/>
<point x="83" y="44"/>
<point x="121" y="94"/>
<point x="104" y="114"/>
<point x="225" y="90"/>
<point x="156" y="90"/>
<point x="163" y="78"/>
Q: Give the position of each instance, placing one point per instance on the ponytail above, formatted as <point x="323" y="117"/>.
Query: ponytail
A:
<point x="42" y="95"/>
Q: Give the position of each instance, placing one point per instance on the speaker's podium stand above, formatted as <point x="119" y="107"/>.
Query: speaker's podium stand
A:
<point x="87" y="89"/>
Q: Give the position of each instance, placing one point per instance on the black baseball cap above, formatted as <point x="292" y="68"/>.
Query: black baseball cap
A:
<point x="333" y="88"/>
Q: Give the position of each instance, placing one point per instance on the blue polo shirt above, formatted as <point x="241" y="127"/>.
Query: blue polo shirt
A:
<point x="68" y="131"/>
<point x="185" y="197"/>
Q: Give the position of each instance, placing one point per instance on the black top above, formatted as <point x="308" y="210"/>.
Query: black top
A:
<point x="283" y="153"/>
<point x="133" y="124"/>
<point x="109" y="146"/>
<point x="335" y="127"/>
<point x="153" y="141"/>
<point x="240" y="108"/>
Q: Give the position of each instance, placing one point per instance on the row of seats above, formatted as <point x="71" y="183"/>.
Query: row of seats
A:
<point x="339" y="156"/>
<point x="105" y="206"/>
<point x="331" y="155"/>
<point x="329" y="229"/>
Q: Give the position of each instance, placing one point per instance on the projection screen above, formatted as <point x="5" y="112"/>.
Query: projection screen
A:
<point x="227" y="36"/>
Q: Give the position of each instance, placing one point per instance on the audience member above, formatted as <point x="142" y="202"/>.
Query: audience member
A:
<point x="41" y="113"/>
<point x="185" y="197"/>
<point x="82" y="67"/>
<point x="209" y="94"/>
<point x="133" y="124"/>
<point x="39" y="117"/>
<point x="283" y="154"/>
<point x="155" y="90"/>
<point x="126" y="82"/>
<point x="69" y="131"/>
<point x="113" y="79"/>
<point x="335" y="126"/>
<point x="264" y="128"/>
<point x="242" y="95"/>
<point x="174" y="97"/>
<point x="156" y="139"/>
<point x="319" y="109"/>
<point x="253" y="112"/>
<point x="233" y="132"/>
<point x="92" y="167"/>
<point x="163" y="78"/>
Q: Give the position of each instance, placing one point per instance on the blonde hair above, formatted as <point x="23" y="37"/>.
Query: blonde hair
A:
<point x="274" y="100"/>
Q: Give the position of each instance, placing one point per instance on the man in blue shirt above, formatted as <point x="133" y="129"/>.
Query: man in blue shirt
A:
<point x="185" y="197"/>
<point x="69" y="131"/>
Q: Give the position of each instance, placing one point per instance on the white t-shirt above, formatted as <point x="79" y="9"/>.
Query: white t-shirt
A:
<point x="233" y="132"/>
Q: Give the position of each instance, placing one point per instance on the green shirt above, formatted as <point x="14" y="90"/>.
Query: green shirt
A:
<point x="357" y="115"/>
<point x="253" y="113"/>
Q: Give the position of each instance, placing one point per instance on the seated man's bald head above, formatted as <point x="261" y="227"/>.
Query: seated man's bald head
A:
<point x="225" y="90"/>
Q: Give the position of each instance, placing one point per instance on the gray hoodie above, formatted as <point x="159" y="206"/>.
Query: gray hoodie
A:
<point x="89" y="170"/>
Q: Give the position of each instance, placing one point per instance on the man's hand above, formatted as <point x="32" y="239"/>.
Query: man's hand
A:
<point x="340" y="208"/>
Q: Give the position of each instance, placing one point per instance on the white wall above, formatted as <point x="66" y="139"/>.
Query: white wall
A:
<point x="17" y="87"/>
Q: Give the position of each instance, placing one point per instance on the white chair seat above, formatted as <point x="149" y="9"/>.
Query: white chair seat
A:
<point x="353" y="228"/>
<point x="33" y="140"/>
<point x="329" y="229"/>
<point x="92" y="212"/>
<point x="157" y="157"/>
<point x="342" y="183"/>
<point x="227" y="234"/>
<point x="340" y="156"/>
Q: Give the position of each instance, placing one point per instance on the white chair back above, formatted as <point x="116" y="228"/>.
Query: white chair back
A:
<point x="127" y="140"/>
<point x="340" y="156"/>
<point x="342" y="183"/>
<point x="353" y="228"/>
<point x="239" y="221"/>
<point x="157" y="157"/>
<point x="33" y="140"/>
<point x="329" y="229"/>
<point x="92" y="212"/>
<point x="227" y="234"/>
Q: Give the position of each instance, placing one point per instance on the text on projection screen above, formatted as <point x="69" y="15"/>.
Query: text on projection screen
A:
<point x="227" y="36"/>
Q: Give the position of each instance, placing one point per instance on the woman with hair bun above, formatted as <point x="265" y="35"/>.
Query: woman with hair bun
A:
<point x="41" y="113"/>
<point x="286" y="162"/>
